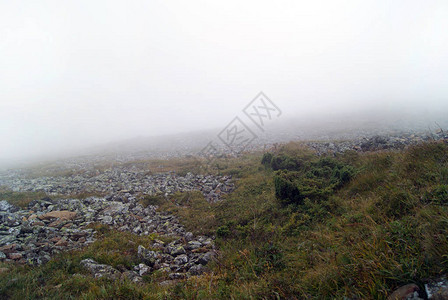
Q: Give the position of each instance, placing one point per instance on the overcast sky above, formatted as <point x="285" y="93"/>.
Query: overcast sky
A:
<point x="75" y="73"/>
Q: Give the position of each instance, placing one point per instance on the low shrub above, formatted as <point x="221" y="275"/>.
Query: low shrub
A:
<point x="317" y="183"/>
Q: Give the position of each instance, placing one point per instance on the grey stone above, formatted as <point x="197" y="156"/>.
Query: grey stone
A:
<point x="196" y="270"/>
<point x="181" y="259"/>
<point x="100" y="270"/>
<point x="437" y="289"/>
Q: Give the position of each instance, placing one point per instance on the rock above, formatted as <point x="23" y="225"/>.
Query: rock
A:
<point x="2" y="255"/>
<point x="15" y="256"/>
<point x="8" y="248"/>
<point x="197" y="270"/>
<point x="107" y="220"/>
<point x="51" y="226"/>
<point x="143" y="269"/>
<point x="6" y="206"/>
<point x="188" y="236"/>
<point x="100" y="270"/>
<point x="174" y="276"/>
<point x="206" y="258"/>
<point x="181" y="259"/>
<point x="167" y="282"/>
<point x="62" y="243"/>
<point x="404" y="292"/>
<point x="194" y="245"/>
<point x="7" y="239"/>
<point x="437" y="289"/>
<point x="132" y="276"/>
<point x="63" y="215"/>
<point x="147" y="256"/>
<point x="177" y="250"/>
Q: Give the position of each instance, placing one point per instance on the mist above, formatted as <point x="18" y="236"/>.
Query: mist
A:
<point x="81" y="74"/>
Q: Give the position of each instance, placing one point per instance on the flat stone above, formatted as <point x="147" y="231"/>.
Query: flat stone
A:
<point x="62" y="243"/>
<point x="15" y="256"/>
<point x="100" y="270"/>
<point x="174" y="276"/>
<point x="62" y="214"/>
<point x="404" y="292"/>
<point x="8" y="248"/>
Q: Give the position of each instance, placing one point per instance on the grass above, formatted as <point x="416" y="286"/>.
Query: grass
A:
<point x="386" y="227"/>
<point x="20" y="199"/>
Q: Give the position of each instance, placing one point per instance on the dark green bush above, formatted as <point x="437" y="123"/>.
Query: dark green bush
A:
<point x="223" y="231"/>
<point x="317" y="183"/>
<point x="284" y="162"/>
<point x="267" y="159"/>
<point x="286" y="190"/>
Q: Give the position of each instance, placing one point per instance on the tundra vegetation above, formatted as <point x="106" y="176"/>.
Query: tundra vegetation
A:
<point x="298" y="225"/>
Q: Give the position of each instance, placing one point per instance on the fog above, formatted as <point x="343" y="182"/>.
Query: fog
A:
<point x="80" y="74"/>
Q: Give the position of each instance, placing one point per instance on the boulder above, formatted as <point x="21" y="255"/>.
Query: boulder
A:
<point x="100" y="270"/>
<point x="404" y="292"/>
<point x="437" y="289"/>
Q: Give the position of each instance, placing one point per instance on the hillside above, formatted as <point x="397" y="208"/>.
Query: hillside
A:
<point x="282" y="224"/>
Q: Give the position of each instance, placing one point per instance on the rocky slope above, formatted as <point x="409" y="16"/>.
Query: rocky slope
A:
<point x="120" y="179"/>
<point x="47" y="227"/>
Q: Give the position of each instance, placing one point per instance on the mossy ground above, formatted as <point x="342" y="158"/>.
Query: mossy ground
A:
<point x="386" y="227"/>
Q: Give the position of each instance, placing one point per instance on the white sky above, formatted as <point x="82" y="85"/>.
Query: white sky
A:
<point x="75" y="73"/>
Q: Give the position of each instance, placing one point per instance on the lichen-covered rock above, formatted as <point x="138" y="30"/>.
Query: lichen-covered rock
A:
<point x="148" y="256"/>
<point x="100" y="270"/>
<point x="62" y="215"/>
<point x="437" y="289"/>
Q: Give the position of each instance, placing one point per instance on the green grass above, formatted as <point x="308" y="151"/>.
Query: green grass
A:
<point x="20" y="199"/>
<point x="386" y="227"/>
